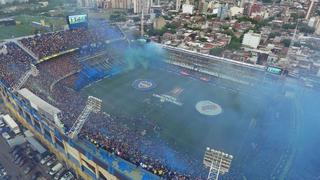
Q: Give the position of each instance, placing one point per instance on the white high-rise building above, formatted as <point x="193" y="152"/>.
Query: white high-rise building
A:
<point x="139" y="5"/>
<point x="178" y="5"/>
<point x="187" y="9"/>
<point x="121" y="4"/>
<point x="87" y="3"/>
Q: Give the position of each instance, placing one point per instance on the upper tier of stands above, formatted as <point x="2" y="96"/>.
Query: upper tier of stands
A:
<point x="49" y="44"/>
<point x="14" y="63"/>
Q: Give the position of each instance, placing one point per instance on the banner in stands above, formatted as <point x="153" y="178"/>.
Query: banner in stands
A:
<point x="77" y="21"/>
<point x="58" y="54"/>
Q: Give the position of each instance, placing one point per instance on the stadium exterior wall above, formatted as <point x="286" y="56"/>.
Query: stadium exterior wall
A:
<point x="86" y="160"/>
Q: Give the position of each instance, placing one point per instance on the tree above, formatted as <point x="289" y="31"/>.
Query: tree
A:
<point x="289" y="26"/>
<point x="225" y="27"/>
<point x="234" y="44"/>
<point x="295" y="16"/>
<point x="306" y="29"/>
<point x="117" y="17"/>
<point x="229" y="32"/>
<point x="216" y="51"/>
<point x="136" y="19"/>
<point x="247" y="18"/>
<point x="297" y="44"/>
<point x="167" y="18"/>
<point x="171" y="26"/>
<point x="185" y="25"/>
<point x="274" y="34"/>
<point x="203" y="39"/>
<point x="211" y="16"/>
<point x="286" y="42"/>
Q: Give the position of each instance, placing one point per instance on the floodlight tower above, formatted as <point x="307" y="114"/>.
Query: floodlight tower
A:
<point x="33" y="71"/>
<point x="142" y="20"/>
<point x="293" y="39"/>
<point x="93" y="105"/>
<point x="218" y="163"/>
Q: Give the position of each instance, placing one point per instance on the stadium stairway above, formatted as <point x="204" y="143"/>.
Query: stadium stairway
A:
<point x="26" y="50"/>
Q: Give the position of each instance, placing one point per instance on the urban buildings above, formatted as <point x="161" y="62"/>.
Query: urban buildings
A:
<point x="87" y="3"/>
<point x="187" y="9"/>
<point x="142" y="5"/>
<point x="121" y="4"/>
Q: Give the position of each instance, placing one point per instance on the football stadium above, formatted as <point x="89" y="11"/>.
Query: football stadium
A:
<point x="111" y="108"/>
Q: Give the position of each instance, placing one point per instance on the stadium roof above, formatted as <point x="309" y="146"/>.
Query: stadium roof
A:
<point x="37" y="103"/>
<point x="36" y="145"/>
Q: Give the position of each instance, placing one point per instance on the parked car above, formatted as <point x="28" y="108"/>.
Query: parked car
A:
<point x="59" y="173"/>
<point x="6" y="177"/>
<point x="67" y="176"/>
<point x="27" y="170"/>
<point x="17" y="151"/>
<point x="36" y="175"/>
<point x="45" y="159"/>
<point x="17" y="161"/>
<point x="2" y="174"/>
<point x="6" y="135"/>
<point x="22" y="162"/>
<point x="51" y="161"/>
<point x="55" y="168"/>
<point x="31" y="155"/>
<point x="2" y="168"/>
<point x="2" y="124"/>
<point x="16" y="156"/>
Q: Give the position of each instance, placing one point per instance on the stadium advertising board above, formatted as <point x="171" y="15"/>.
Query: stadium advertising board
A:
<point x="77" y="21"/>
<point x="274" y="70"/>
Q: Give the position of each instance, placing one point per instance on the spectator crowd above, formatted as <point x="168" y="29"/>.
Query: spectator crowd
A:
<point x="55" y="84"/>
<point x="14" y="63"/>
<point x="48" y="44"/>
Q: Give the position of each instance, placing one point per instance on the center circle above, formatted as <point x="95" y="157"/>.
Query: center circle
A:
<point x="208" y="108"/>
<point x="143" y="84"/>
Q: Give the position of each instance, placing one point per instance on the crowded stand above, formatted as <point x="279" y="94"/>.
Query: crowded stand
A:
<point x="45" y="45"/>
<point x="110" y="133"/>
<point x="14" y="62"/>
<point x="125" y="143"/>
<point x="50" y="72"/>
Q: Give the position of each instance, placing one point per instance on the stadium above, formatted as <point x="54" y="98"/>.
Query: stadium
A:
<point x="118" y="109"/>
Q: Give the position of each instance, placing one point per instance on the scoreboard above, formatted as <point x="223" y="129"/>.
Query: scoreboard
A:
<point x="77" y="21"/>
<point x="274" y="70"/>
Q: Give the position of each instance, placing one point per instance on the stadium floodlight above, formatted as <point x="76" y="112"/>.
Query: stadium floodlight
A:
<point x="33" y="71"/>
<point x="218" y="163"/>
<point x="93" y="105"/>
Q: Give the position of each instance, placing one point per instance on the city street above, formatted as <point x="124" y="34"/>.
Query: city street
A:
<point x="14" y="171"/>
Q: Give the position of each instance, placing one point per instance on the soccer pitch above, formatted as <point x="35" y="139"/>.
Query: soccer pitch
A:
<point x="24" y="27"/>
<point x="181" y="127"/>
